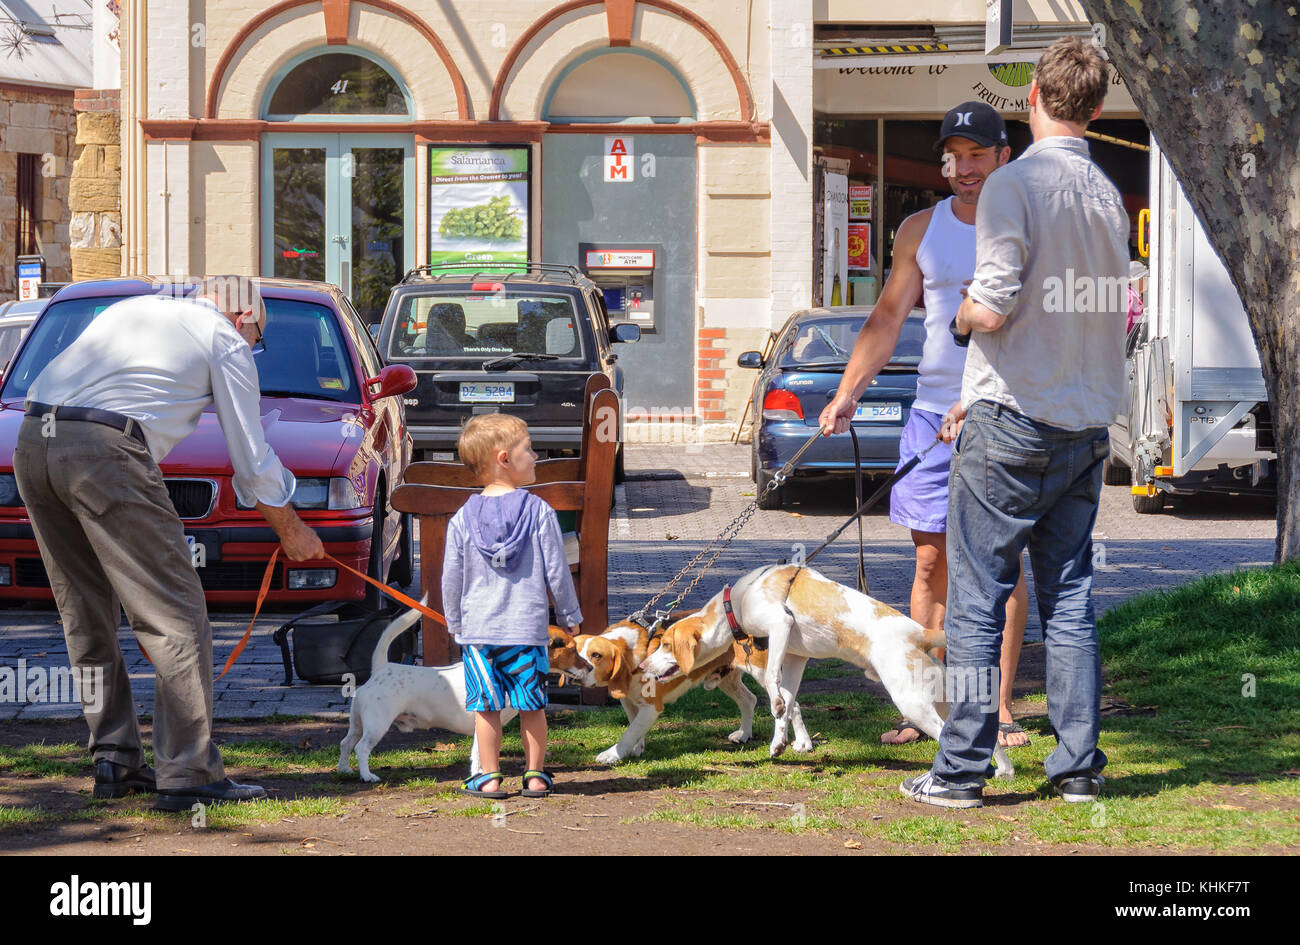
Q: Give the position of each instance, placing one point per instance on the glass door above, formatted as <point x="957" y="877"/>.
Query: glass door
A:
<point x="336" y="208"/>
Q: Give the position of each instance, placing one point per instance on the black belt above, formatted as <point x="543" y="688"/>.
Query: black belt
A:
<point x="128" y="425"/>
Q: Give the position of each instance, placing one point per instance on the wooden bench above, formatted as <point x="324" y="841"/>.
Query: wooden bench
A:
<point x="584" y="485"/>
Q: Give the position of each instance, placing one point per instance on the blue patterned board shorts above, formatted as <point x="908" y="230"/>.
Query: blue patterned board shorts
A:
<point x="499" y="675"/>
<point x="920" y="499"/>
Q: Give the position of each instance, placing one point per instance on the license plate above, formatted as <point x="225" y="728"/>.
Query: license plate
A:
<point x="878" y="412"/>
<point x="198" y="553"/>
<point x="477" y="392"/>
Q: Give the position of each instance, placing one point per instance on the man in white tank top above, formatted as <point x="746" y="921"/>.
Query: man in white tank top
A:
<point x="934" y="256"/>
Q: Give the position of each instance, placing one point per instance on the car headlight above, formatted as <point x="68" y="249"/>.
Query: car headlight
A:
<point x="334" y="493"/>
<point x="343" y="494"/>
<point x="311" y="494"/>
<point x="9" y="490"/>
<point x="322" y="493"/>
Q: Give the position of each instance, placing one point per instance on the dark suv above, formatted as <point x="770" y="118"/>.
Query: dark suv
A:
<point x="522" y="342"/>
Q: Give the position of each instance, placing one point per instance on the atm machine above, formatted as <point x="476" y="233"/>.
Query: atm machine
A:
<point x="629" y="279"/>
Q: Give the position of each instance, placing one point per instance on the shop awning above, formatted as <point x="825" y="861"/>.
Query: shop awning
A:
<point x="836" y="48"/>
<point x="922" y="71"/>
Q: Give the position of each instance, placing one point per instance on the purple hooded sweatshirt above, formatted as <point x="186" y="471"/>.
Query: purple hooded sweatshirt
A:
<point x="503" y="553"/>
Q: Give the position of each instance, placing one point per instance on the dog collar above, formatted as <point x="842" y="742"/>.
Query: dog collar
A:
<point x="731" y="614"/>
<point x="739" y="635"/>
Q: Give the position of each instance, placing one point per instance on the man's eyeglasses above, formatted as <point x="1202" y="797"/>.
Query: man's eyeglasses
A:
<point x="260" y="343"/>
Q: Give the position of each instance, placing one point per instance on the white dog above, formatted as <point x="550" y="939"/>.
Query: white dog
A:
<point x="418" y="697"/>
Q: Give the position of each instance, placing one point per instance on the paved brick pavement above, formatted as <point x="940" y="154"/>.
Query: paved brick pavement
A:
<point x="677" y="498"/>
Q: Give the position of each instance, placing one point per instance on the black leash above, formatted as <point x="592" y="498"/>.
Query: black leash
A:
<point x="863" y="507"/>
<point x="857" y="496"/>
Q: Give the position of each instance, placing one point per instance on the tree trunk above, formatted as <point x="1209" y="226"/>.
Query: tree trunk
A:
<point x="1218" y="84"/>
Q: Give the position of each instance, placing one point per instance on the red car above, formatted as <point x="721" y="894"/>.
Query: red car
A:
<point x="332" y="412"/>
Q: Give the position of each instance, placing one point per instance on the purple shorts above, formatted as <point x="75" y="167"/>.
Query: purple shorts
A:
<point x="920" y="499"/>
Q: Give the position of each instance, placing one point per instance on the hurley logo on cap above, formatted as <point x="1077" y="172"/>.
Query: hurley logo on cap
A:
<point x="978" y="121"/>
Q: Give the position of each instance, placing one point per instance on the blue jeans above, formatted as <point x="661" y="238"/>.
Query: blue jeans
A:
<point x="1017" y="482"/>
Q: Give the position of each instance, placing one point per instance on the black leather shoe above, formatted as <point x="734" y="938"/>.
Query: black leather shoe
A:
<point x="115" y="780"/>
<point x="218" y="792"/>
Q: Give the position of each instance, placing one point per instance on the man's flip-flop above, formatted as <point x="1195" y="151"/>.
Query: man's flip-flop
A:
<point x="473" y="786"/>
<point x="1011" y="728"/>
<point x="541" y="776"/>
<point x="900" y="726"/>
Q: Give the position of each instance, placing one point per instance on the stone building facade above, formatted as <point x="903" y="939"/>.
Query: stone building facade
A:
<point x="37" y="128"/>
<point x="737" y="104"/>
<point x="95" y="197"/>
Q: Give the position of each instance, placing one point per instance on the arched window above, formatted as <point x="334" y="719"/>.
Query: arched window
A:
<point x="352" y="85"/>
<point x="631" y="86"/>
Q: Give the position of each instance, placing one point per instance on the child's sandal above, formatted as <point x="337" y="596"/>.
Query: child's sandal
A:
<point x="541" y="776"/>
<point x="473" y="785"/>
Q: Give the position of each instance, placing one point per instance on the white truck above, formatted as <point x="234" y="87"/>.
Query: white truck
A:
<point x="1197" y="416"/>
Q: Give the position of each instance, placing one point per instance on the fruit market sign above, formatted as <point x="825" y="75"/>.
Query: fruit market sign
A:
<point x="478" y="204"/>
<point x="933" y="89"/>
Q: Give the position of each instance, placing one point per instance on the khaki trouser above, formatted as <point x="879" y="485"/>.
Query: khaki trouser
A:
<point x="111" y="539"/>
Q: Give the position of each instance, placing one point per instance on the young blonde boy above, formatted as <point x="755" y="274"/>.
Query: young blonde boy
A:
<point x="504" y="552"/>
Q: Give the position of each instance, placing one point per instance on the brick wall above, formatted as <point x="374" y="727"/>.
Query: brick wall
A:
<point x="41" y="122"/>
<point x="710" y="383"/>
<point x="95" y="198"/>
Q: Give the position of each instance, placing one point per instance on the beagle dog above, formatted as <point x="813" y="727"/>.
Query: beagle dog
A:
<point x="614" y="658"/>
<point x="804" y="615"/>
<point x="420" y="697"/>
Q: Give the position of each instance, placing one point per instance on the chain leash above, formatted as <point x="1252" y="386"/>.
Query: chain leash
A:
<point x="726" y="536"/>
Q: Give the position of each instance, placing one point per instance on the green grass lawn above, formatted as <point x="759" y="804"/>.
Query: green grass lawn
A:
<point x="1205" y="756"/>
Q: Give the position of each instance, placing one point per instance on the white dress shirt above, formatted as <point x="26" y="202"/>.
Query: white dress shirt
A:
<point x="162" y="361"/>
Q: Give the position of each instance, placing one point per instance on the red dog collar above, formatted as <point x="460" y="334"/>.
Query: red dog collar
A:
<point x="731" y="614"/>
<point x="740" y="636"/>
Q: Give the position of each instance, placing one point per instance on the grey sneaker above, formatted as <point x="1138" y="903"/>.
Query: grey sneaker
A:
<point x="1079" y="788"/>
<point x="927" y="790"/>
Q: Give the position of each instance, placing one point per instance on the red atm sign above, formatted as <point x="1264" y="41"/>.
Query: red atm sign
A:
<point x="619" y="155"/>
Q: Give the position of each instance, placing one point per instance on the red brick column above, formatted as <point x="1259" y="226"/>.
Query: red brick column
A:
<point x="710" y="384"/>
<point x="97" y="100"/>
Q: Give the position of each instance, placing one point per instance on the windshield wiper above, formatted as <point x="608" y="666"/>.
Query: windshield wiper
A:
<point x="827" y="338"/>
<point x="510" y="360"/>
<point x="295" y="393"/>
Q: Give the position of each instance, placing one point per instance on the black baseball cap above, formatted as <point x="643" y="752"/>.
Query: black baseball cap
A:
<point x="978" y="121"/>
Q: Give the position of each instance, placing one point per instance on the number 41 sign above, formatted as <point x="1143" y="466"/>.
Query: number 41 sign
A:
<point x="619" y="166"/>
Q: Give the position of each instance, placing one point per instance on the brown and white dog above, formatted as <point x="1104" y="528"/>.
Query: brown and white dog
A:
<point x="614" y="657"/>
<point x="805" y="615"/>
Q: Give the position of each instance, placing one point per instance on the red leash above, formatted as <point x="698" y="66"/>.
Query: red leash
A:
<point x="266" y="587"/>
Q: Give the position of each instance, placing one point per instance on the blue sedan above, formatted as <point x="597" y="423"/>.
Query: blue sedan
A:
<point x="799" y="378"/>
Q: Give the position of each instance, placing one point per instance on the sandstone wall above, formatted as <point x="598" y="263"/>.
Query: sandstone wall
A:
<point x="95" y="197"/>
<point x="40" y="122"/>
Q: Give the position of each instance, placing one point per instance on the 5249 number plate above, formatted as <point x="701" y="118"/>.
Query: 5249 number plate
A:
<point x="878" y="412"/>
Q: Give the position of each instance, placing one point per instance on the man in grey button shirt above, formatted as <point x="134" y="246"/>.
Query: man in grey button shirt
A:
<point x="1042" y="381"/>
